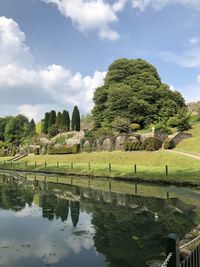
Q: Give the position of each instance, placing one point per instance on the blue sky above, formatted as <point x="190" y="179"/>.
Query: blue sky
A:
<point x="53" y="53"/>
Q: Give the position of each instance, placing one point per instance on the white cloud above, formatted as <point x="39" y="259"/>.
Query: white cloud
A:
<point x="194" y="41"/>
<point x="31" y="90"/>
<point x="12" y="44"/>
<point x="188" y="59"/>
<point x="89" y="15"/>
<point x="159" y="4"/>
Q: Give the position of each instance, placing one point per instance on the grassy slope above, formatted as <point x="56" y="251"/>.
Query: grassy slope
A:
<point x="150" y="165"/>
<point x="191" y="145"/>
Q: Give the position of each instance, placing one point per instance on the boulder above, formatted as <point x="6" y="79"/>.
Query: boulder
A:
<point x="107" y="144"/>
<point x="119" y="142"/>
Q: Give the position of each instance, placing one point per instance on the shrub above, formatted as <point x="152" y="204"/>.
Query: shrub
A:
<point x="64" y="150"/>
<point x="173" y="121"/>
<point x="86" y="148"/>
<point x="133" y="146"/>
<point x="152" y="144"/>
<point x="53" y="130"/>
<point x="162" y="127"/>
<point x="120" y="124"/>
<point x="184" y="120"/>
<point x="134" y="127"/>
<point x="169" y="144"/>
<point x="37" y="151"/>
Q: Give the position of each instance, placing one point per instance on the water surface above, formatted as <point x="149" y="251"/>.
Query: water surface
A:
<point x="46" y="223"/>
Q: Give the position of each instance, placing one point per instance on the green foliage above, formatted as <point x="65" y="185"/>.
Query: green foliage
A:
<point x="39" y="127"/>
<point x="65" y="121"/>
<point x="3" y="122"/>
<point x="133" y="146"/>
<point x="76" y="119"/>
<point x="149" y="144"/>
<point x="133" y="90"/>
<point x="52" y="118"/>
<point x="53" y="130"/>
<point x="46" y="123"/>
<point x="162" y="127"/>
<point x="152" y="143"/>
<point x="86" y="148"/>
<point x="134" y="127"/>
<point x="59" y="120"/>
<point x="120" y="124"/>
<point x="169" y="144"/>
<point x="17" y="129"/>
<point x="173" y="121"/>
<point x="183" y="120"/>
<point x="37" y="151"/>
<point x="64" y="150"/>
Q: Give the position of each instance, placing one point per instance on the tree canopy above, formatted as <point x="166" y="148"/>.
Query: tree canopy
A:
<point x="133" y="90"/>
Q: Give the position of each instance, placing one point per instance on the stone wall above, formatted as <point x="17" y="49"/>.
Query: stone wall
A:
<point x="178" y="137"/>
<point x="117" y="143"/>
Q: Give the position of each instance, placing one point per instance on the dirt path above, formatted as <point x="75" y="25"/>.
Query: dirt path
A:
<point x="184" y="154"/>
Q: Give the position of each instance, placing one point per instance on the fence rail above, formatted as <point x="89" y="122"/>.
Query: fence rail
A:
<point x="173" y="252"/>
<point x="192" y="260"/>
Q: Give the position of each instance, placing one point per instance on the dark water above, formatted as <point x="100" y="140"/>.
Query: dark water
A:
<point x="44" y="224"/>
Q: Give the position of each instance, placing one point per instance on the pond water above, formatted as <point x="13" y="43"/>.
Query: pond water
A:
<point x="45" y="222"/>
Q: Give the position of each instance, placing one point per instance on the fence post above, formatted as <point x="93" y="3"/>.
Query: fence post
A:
<point x="45" y="164"/>
<point x="89" y="166"/>
<point x="110" y="185"/>
<point x="109" y="167"/>
<point x="57" y="164"/>
<point x="72" y="166"/>
<point x="173" y="247"/>
<point x="136" y="189"/>
<point x="135" y="168"/>
<point x="167" y="170"/>
<point x="35" y="164"/>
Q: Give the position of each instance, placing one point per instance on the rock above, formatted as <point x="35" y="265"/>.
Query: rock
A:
<point x="133" y="139"/>
<point x="119" y="142"/>
<point x="107" y="144"/>
<point x="96" y="145"/>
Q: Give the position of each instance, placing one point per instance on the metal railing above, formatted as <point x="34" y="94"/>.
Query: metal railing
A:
<point x="192" y="260"/>
<point x="173" y="252"/>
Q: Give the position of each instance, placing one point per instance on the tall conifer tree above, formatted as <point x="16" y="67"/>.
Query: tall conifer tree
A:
<point x="46" y="123"/>
<point x="59" y="120"/>
<point x="52" y="118"/>
<point x="66" y="120"/>
<point x="76" y="119"/>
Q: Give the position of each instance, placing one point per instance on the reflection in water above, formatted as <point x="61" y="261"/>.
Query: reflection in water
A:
<point x="85" y="227"/>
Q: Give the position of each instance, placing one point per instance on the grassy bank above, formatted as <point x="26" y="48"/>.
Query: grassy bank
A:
<point x="191" y="145"/>
<point x="149" y="165"/>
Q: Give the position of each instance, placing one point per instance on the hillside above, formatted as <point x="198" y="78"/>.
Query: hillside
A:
<point x="191" y="145"/>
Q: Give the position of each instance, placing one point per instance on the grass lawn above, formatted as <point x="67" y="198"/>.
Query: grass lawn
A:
<point x="191" y="145"/>
<point x="150" y="165"/>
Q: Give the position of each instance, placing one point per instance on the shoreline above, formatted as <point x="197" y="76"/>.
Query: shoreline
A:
<point x="135" y="179"/>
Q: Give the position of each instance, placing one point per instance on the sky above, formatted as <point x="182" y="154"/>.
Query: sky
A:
<point x="54" y="53"/>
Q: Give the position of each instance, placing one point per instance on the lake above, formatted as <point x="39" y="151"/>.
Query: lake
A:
<point x="79" y="222"/>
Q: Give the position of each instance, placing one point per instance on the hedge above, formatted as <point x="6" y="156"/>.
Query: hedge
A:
<point x="149" y="144"/>
<point x="64" y="150"/>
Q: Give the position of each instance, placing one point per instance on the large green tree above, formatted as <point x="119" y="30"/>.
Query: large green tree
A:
<point x="76" y="119"/>
<point x="133" y="90"/>
<point x="16" y="129"/>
